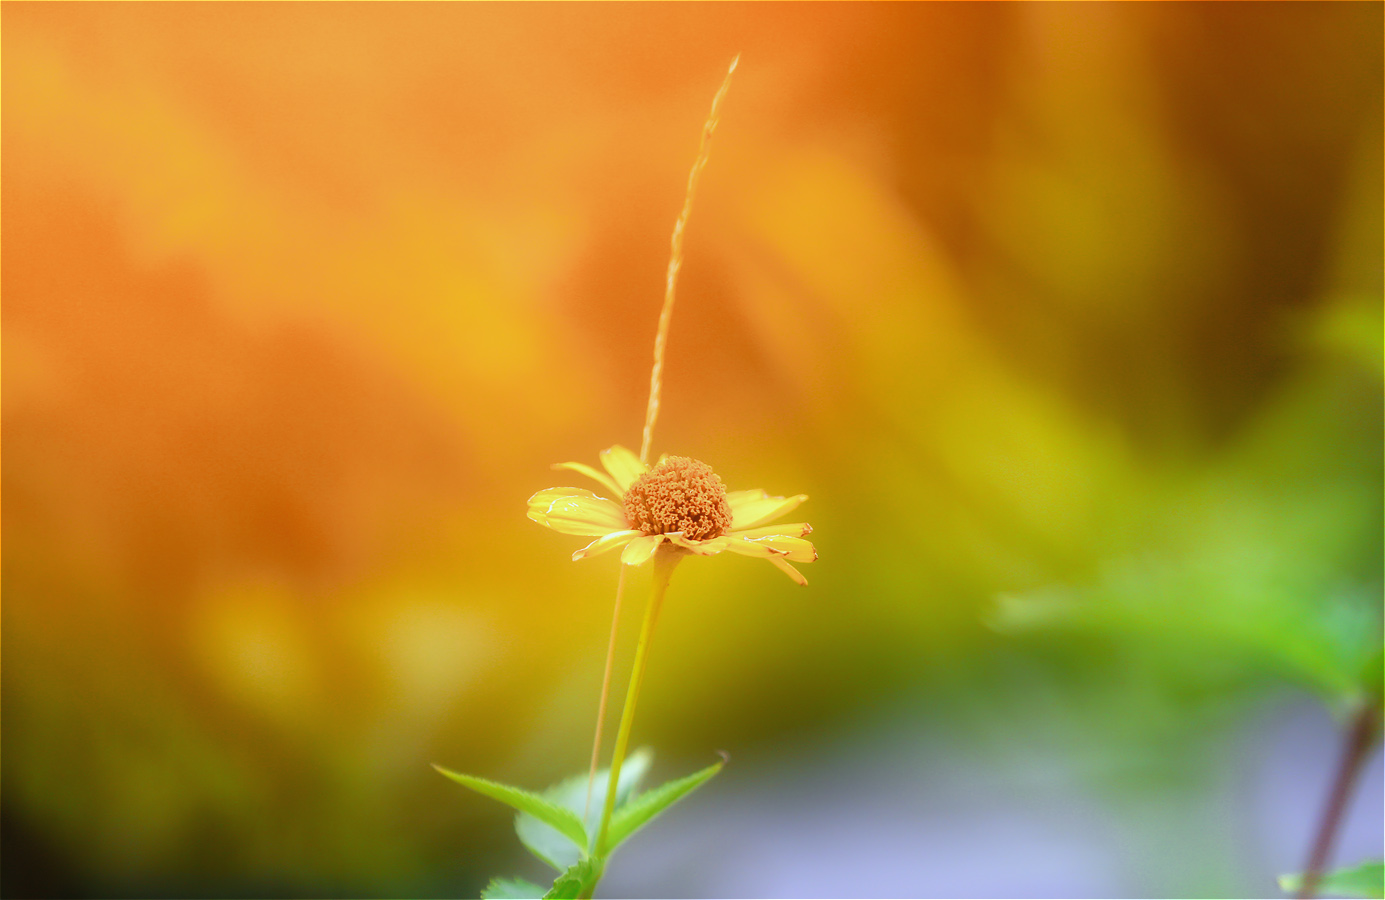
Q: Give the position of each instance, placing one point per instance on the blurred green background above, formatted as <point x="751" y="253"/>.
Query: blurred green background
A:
<point x="1067" y="318"/>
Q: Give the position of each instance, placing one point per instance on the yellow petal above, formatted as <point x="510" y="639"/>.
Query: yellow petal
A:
<point x="604" y="543"/>
<point x="737" y="499"/>
<point x="750" y="548"/>
<point x="575" y="511"/>
<point x="638" y="551"/>
<point x="762" y="550"/>
<point x="600" y="478"/>
<point x="780" y="563"/>
<point x="795" y="529"/>
<point x="625" y="467"/>
<point x="750" y="513"/>
<point x="709" y="547"/>
<point x="789" y="547"/>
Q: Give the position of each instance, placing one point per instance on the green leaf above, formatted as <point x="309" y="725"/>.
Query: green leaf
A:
<point x="1366" y="880"/>
<point x="636" y="814"/>
<point x="575" y="881"/>
<point x="571" y="793"/>
<point x="512" y="889"/>
<point x="565" y="821"/>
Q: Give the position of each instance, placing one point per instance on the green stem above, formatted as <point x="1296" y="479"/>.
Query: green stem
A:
<point x="664" y="561"/>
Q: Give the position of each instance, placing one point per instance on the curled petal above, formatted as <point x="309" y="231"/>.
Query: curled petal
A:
<point x="795" y="549"/>
<point x="575" y="511"/>
<point x="625" y="467"/>
<point x="639" y="550"/>
<point x="600" y="478"/>
<point x="758" y="511"/>
<point x="794" y="529"/>
<point x="709" y="547"/>
<point x="604" y="543"/>
<point x="782" y="564"/>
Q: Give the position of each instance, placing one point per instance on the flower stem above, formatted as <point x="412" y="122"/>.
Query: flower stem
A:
<point x="664" y="561"/>
<point x="1364" y="730"/>
<point x="605" y="693"/>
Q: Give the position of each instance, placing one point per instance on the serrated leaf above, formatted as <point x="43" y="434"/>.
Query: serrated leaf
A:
<point x="1365" y="880"/>
<point x="565" y="821"/>
<point x="636" y="814"/>
<point x="571" y="793"/>
<point x="575" y="882"/>
<point x="512" y="889"/>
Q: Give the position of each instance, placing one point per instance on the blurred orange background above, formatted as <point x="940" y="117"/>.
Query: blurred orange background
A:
<point x="301" y="302"/>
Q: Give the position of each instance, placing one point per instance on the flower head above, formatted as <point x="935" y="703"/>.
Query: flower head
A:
<point x="681" y="502"/>
<point x="679" y="496"/>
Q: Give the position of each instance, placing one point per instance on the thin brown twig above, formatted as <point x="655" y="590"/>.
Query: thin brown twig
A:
<point x="675" y="262"/>
<point x="1365" y="729"/>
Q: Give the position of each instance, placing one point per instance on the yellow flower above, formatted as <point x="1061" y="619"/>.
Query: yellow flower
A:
<point x="679" y="501"/>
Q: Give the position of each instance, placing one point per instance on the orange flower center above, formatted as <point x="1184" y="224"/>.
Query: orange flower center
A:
<point x="679" y="494"/>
